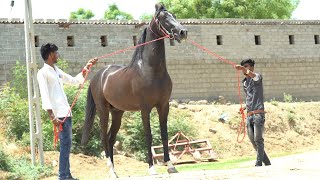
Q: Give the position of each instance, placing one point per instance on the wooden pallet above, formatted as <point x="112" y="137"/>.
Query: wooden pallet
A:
<point x="182" y="149"/>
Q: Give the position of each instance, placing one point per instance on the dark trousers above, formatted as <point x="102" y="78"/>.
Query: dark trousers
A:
<point x="65" y="137"/>
<point x="255" y="128"/>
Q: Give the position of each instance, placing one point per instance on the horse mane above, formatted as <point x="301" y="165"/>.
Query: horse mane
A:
<point x="138" y="51"/>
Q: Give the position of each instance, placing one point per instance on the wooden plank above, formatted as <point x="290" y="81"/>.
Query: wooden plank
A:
<point x="183" y="143"/>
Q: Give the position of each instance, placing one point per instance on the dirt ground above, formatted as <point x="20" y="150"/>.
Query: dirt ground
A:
<point x="298" y="166"/>
<point x="290" y="127"/>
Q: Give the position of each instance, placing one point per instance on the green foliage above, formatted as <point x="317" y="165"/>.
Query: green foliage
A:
<point x="246" y="9"/>
<point x="62" y="64"/>
<point x="133" y="138"/>
<point x="81" y="14"/>
<point x="19" y="79"/>
<point x="15" y="110"/>
<point x="113" y="12"/>
<point x="287" y="98"/>
<point x="189" y="8"/>
<point x="274" y="102"/>
<point x="21" y="168"/>
<point x="4" y="161"/>
<point x="146" y="16"/>
<point x="255" y="9"/>
<point x="291" y="117"/>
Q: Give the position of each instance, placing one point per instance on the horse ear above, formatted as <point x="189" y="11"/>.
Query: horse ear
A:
<point x="159" y="6"/>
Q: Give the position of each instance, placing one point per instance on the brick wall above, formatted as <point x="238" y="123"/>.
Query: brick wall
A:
<point x="290" y="68"/>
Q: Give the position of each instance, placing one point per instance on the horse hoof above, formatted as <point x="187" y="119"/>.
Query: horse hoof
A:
<point x="152" y="171"/>
<point x="172" y="170"/>
<point x="112" y="175"/>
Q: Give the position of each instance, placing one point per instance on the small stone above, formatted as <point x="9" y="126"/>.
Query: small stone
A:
<point x="182" y="106"/>
<point x="202" y="102"/>
<point x="175" y="100"/>
<point x="212" y="130"/>
<point x="192" y="103"/>
<point x="221" y="100"/>
<point x="173" y="104"/>
<point x="54" y="163"/>
<point x="185" y="101"/>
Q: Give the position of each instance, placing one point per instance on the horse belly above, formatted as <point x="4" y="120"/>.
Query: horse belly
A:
<point x="124" y="103"/>
<point x="118" y="92"/>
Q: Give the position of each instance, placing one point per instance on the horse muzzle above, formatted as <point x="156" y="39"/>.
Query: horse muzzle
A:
<point x="180" y="35"/>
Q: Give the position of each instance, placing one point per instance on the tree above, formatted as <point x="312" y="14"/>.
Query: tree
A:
<point x="182" y="8"/>
<point x="113" y="12"/>
<point x="255" y="9"/>
<point x="81" y="14"/>
<point x="247" y="9"/>
<point x="146" y="16"/>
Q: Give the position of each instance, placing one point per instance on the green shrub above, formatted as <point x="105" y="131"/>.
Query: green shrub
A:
<point x="19" y="79"/>
<point x="15" y="110"/>
<point x="287" y="98"/>
<point x="21" y="168"/>
<point x="274" y="102"/>
<point x="4" y="161"/>
<point x="291" y="117"/>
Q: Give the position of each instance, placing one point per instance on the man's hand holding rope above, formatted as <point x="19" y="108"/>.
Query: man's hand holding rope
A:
<point x="90" y="63"/>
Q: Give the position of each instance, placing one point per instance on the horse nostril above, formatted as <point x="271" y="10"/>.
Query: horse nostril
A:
<point x="183" y="33"/>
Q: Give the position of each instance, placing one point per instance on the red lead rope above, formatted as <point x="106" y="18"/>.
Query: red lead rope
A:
<point x="242" y="123"/>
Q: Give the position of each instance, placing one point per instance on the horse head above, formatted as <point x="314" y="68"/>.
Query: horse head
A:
<point x="167" y="24"/>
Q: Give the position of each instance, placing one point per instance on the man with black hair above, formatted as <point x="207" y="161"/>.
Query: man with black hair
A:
<point x="253" y="89"/>
<point x="54" y="100"/>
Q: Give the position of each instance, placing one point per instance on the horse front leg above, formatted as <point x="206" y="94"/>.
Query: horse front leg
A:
<point x="145" y="114"/>
<point x="163" y="112"/>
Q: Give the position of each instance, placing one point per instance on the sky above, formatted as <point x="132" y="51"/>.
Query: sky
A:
<point x="60" y="9"/>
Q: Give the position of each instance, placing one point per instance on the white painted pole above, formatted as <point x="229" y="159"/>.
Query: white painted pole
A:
<point x="33" y="89"/>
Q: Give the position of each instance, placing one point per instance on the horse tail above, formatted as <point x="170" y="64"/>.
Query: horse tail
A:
<point x="90" y="114"/>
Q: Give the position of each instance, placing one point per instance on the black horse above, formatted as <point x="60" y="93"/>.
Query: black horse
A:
<point x="140" y="86"/>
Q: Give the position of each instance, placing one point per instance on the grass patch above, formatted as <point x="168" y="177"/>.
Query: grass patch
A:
<point x="21" y="168"/>
<point x="221" y="164"/>
<point x="217" y="165"/>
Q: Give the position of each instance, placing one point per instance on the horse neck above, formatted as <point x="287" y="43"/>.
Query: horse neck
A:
<point x="153" y="57"/>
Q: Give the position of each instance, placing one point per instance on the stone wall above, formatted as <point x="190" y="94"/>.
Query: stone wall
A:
<point x="290" y="68"/>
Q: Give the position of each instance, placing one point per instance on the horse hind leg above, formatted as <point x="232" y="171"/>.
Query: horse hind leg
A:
<point x="103" y="109"/>
<point x="115" y="126"/>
